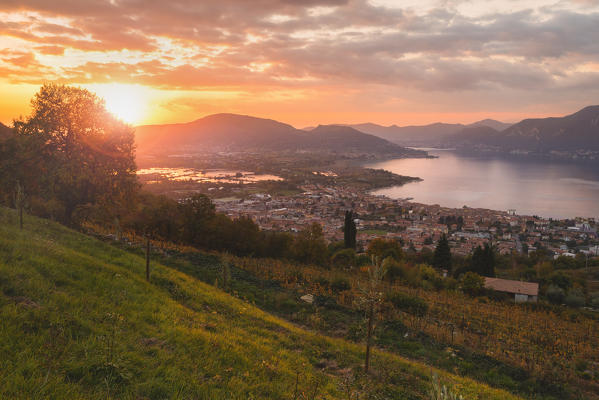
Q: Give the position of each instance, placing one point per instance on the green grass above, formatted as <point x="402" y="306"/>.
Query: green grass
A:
<point x="78" y="320"/>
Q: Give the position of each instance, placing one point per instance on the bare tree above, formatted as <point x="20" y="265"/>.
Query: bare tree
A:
<point x="20" y="202"/>
<point x="371" y="297"/>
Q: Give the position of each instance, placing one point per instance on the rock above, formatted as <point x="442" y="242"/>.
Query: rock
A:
<point x="308" y="298"/>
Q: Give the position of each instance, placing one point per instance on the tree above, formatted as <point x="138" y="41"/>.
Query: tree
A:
<point x="196" y="211"/>
<point x="310" y="246"/>
<point x="483" y="260"/>
<point x="472" y="283"/>
<point x="371" y="297"/>
<point x="349" y="230"/>
<point x="383" y="248"/>
<point x="442" y="255"/>
<point x="84" y="156"/>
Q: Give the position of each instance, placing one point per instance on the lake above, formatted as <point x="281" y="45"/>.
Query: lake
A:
<point x="531" y="187"/>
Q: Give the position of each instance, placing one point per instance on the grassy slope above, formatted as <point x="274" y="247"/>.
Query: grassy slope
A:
<point x="77" y="320"/>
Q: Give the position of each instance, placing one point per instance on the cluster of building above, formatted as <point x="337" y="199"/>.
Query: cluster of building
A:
<point x="417" y="226"/>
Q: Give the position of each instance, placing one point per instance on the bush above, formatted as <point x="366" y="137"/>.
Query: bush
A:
<point x="345" y="258"/>
<point x="409" y="304"/>
<point x="472" y="283"/>
<point x="555" y="294"/>
<point x="430" y="277"/>
<point x="340" y="284"/>
<point x="575" y="298"/>
<point x="594" y="302"/>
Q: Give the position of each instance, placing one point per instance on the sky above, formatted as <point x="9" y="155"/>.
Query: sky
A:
<point x="306" y="62"/>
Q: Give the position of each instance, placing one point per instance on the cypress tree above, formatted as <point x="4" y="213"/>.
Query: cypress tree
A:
<point x="442" y="255"/>
<point x="349" y="230"/>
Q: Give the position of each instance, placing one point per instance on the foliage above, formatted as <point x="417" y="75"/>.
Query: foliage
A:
<point x="483" y="260"/>
<point x="383" y="248"/>
<point x="73" y="155"/>
<point x="442" y="254"/>
<point x="472" y="283"/>
<point x="349" y="230"/>
<point x="345" y="258"/>
<point x="575" y="298"/>
<point x="409" y="304"/>
<point x="80" y="321"/>
<point x="442" y="392"/>
<point x="555" y="294"/>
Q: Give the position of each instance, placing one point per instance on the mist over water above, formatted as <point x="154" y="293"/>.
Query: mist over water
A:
<point x="531" y="187"/>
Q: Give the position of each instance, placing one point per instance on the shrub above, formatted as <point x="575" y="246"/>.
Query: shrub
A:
<point x="575" y="298"/>
<point x="340" y="284"/>
<point x="431" y="276"/>
<point x="441" y="392"/>
<point x="555" y="294"/>
<point x="472" y="283"/>
<point x="345" y="258"/>
<point x="409" y="304"/>
<point x="594" y="302"/>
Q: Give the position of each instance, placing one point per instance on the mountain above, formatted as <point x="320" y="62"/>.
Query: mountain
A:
<point x="340" y="138"/>
<point x="491" y="123"/>
<point x="578" y="131"/>
<point x="224" y="131"/>
<point x="423" y="135"/>
<point x="79" y="321"/>
<point x="232" y="132"/>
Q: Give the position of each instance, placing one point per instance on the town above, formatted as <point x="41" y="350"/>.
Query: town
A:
<point x="417" y="226"/>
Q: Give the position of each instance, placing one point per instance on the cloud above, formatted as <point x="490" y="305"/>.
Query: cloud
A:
<point x="333" y="45"/>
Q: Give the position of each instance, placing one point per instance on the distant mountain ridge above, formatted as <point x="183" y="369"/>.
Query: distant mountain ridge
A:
<point x="425" y="135"/>
<point x="233" y="132"/>
<point x="577" y="131"/>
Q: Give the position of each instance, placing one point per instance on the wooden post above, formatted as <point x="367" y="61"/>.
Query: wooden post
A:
<point x="368" y="336"/>
<point x="148" y="258"/>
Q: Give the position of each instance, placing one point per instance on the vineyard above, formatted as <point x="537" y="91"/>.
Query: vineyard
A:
<point x="554" y="345"/>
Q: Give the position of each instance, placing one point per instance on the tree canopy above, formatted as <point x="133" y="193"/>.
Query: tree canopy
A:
<point x="442" y="255"/>
<point x="71" y="155"/>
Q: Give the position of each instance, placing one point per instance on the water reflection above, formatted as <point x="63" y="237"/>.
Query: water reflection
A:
<point x="533" y="187"/>
<point x="192" y="174"/>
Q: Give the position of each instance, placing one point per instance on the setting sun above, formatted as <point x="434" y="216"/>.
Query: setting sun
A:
<point x="126" y="102"/>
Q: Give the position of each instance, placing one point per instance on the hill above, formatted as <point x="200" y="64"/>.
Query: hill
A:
<point x="340" y="138"/>
<point x="423" y="135"/>
<point x="5" y="131"/>
<point x="80" y="321"/>
<point x="231" y="132"/>
<point x="578" y="131"/>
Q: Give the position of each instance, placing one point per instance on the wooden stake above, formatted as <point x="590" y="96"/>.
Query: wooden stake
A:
<point x="148" y="258"/>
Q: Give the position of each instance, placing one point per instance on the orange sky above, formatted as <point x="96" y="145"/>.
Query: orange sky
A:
<point x="308" y="62"/>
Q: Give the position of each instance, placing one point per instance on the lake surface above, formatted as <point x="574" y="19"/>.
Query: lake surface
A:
<point x="531" y="187"/>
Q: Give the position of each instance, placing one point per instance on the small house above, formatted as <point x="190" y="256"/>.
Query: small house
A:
<point x="523" y="291"/>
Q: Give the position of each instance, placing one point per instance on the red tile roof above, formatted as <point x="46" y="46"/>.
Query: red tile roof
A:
<point x="516" y="287"/>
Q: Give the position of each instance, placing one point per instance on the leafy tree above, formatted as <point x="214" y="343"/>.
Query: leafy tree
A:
<point x="310" y="246"/>
<point x="442" y="255"/>
<point x="349" y="230"/>
<point x="383" y="248"/>
<point x="196" y="212"/>
<point x="344" y="258"/>
<point x="472" y="283"/>
<point x="81" y="155"/>
<point x="555" y="294"/>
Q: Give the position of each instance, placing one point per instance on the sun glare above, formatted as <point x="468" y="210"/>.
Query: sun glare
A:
<point x="126" y="102"/>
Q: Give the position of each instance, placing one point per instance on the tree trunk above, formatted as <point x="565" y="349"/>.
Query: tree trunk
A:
<point x="369" y="336"/>
<point x="148" y="259"/>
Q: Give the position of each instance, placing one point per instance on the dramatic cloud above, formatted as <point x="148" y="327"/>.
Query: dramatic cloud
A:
<point x="457" y="50"/>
